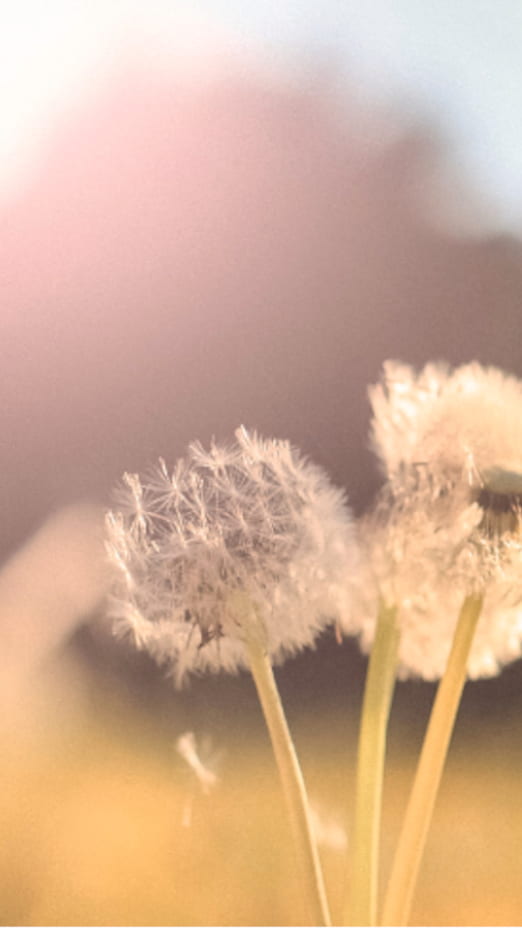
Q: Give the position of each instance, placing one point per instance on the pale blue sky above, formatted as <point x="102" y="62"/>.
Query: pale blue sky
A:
<point x="457" y="63"/>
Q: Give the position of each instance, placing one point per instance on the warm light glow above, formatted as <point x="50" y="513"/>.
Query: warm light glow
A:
<point x="54" y="54"/>
<point x="46" y="55"/>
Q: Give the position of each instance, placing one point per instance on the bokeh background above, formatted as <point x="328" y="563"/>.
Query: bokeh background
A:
<point x="214" y="214"/>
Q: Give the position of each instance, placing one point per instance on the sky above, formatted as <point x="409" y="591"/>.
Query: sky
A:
<point x="456" y="64"/>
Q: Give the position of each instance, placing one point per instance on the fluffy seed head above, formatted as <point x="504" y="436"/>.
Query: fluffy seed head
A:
<point x="449" y="519"/>
<point x="240" y="540"/>
<point x="462" y="426"/>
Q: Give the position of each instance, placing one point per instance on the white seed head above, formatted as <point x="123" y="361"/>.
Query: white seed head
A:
<point x="240" y="540"/>
<point x="464" y="425"/>
<point x="448" y="522"/>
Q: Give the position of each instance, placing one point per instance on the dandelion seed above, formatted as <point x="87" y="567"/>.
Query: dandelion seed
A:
<point x="328" y="831"/>
<point x="202" y="773"/>
<point x="448" y="523"/>
<point x="187" y="749"/>
<point x="250" y="533"/>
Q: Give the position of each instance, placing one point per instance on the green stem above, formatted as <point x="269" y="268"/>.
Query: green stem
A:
<point x="380" y="681"/>
<point x="293" y="782"/>
<point x="429" y="771"/>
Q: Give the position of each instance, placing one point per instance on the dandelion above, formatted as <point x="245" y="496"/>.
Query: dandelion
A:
<point x="238" y="541"/>
<point x="462" y="426"/>
<point x="442" y="555"/>
<point x="236" y="559"/>
<point x="448" y="523"/>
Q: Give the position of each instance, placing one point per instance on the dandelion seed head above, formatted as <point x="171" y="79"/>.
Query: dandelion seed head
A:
<point x="448" y="521"/>
<point x="427" y="562"/>
<point x="464" y="425"/>
<point x="247" y="533"/>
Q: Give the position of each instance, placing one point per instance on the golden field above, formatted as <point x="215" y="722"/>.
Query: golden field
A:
<point x="103" y="823"/>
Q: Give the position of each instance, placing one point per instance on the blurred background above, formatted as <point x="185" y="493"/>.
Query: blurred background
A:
<point x="214" y="214"/>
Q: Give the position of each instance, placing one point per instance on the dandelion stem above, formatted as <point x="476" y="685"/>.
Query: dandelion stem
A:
<point x="429" y="770"/>
<point x="380" y="680"/>
<point x="292" y="780"/>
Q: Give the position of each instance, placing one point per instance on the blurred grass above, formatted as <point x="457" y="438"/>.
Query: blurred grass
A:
<point x="92" y="810"/>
